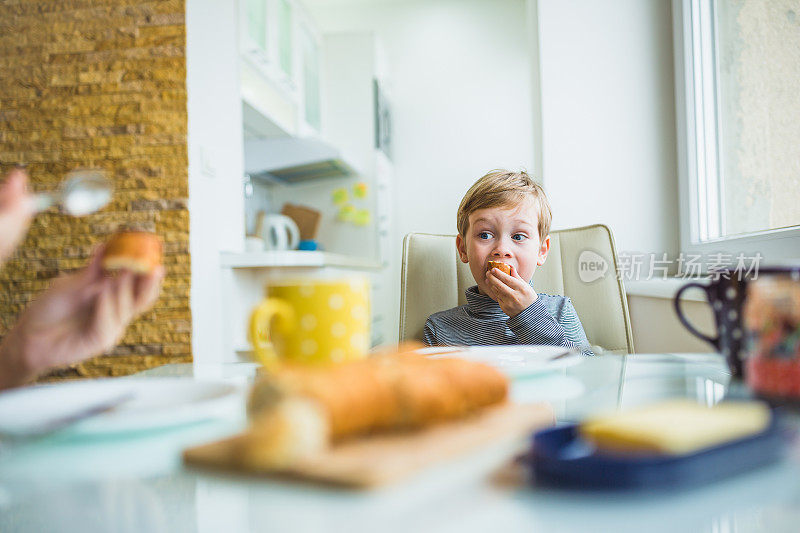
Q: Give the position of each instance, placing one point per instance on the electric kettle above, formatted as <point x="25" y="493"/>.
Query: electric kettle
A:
<point x="279" y="233"/>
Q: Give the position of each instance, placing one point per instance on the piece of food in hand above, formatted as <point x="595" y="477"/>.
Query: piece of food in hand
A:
<point x="138" y="251"/>
<point x="505" y="267"/>
<point x="675" y="427"/>
<point x="299" y="411"/>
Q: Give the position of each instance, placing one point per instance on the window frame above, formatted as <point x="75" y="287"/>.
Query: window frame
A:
<point x="698" y="145"/>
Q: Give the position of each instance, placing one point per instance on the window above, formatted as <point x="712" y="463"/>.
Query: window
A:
<point x="737" y="81"/>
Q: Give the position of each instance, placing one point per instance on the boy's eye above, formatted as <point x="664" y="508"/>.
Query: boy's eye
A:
<point x="484" y="235"/>
<point x="519" y="236"/>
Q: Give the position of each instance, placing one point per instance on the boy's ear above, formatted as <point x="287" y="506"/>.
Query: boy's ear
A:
<point x="462" y="249"/>
<point x="544" y="249"/>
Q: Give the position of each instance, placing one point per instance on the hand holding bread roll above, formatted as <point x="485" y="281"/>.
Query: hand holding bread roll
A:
<point x="81" y="315"/>
<point x="298" y="411"/>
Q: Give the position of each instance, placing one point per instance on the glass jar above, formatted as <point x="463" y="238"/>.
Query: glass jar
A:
<point x="771" y="323"/>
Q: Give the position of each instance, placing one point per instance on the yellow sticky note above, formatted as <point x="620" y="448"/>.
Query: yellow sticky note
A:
<point x="362" y="217"/>
<point x="360" y="190"/>
<point x="340" y="196"/>
<point x="346" y="213"/>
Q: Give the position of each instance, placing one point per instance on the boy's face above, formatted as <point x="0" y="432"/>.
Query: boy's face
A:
<point x="506" y="234"/>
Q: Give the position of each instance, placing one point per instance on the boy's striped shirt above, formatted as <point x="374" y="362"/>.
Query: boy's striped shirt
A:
<point x="549" y="320"/>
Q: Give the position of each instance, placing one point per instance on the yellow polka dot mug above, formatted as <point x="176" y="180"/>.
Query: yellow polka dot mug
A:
<point x="315" y="321"/>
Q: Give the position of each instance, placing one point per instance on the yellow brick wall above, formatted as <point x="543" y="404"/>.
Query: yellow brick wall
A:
<point x="100" y="83"/>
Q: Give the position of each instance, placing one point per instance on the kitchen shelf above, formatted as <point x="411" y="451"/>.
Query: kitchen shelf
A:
<point x="295" y="258"/>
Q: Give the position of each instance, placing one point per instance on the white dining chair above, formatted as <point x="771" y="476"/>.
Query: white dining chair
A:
<point x="434" y="278"/>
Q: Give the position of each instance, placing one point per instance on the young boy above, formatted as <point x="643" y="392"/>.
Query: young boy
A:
<point x="505" y="217"/>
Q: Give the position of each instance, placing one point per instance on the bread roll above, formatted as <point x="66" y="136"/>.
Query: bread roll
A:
<point x="138" y="251"/>
<point x="392" y="392"/>
<point x="505" y="267"/>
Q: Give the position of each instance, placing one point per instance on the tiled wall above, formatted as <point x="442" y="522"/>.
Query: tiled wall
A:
<point x="100" y="83"/>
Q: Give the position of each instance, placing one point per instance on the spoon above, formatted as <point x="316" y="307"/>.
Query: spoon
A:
<point x="82" y="193"/>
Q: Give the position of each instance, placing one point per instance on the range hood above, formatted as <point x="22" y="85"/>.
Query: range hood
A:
<point x="293" y="160"/>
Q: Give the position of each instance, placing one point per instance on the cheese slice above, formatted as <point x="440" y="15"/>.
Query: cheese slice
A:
<point x="675" y="427"/>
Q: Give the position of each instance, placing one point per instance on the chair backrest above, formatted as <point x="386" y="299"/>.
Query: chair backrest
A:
<point x="434" y="278"/>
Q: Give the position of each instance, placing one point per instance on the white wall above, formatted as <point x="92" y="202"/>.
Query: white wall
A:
<point x="460" y="85"/>
<point x="216" y="201"/>
<point x="608" y="118"/>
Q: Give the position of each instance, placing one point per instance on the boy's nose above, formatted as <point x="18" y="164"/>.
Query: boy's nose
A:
<point x="501" y="251"/>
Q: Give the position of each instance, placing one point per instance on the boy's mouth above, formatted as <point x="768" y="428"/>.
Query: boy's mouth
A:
<point x="505" y="267"/>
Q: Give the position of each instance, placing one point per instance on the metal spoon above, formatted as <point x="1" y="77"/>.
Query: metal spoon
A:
<point x="82" y="193"/>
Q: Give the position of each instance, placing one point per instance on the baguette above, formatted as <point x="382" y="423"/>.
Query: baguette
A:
<point x="299" y="411"/>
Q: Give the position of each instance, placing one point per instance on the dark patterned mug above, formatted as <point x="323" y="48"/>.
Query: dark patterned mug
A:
<point x="739" y="331"/>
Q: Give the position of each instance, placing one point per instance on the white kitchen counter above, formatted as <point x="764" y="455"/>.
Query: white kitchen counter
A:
<point x="295" y="258"/>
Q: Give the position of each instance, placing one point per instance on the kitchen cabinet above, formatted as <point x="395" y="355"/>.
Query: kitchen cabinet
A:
<point x="280" y="69"/>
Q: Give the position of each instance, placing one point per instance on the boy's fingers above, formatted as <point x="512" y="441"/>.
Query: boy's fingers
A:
<point x="500" y="288"/>
<point x="510" y="281"/>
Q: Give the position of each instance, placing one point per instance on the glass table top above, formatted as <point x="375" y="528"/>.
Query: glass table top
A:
<point x="137" y="482"/>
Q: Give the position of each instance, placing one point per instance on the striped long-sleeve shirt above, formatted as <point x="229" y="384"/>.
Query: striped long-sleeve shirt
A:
<point x="549" y="320"/>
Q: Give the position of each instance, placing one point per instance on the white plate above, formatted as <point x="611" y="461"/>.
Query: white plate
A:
<point x="516" y="361"/>
<point x="154" y="403"/>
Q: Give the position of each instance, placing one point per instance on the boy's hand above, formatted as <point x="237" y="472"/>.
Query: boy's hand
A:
<point x="513" y="293"/>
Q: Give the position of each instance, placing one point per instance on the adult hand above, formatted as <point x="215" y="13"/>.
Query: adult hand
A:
<point x="16" y="211"/>
<point x="513" y="293"/>
<point x="79" y="316"/>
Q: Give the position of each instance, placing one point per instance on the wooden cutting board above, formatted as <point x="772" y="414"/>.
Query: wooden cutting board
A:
<point x="381" y="459"/>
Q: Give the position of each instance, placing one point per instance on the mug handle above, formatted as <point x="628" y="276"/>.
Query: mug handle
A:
<point x="714" y="341"/>
<point x="261" y="324"/>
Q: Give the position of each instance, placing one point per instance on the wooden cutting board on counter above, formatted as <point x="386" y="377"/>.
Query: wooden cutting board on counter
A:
<point x="382" y="459"/>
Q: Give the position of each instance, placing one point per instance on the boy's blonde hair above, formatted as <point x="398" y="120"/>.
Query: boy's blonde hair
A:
<point x="503" y="188"/>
